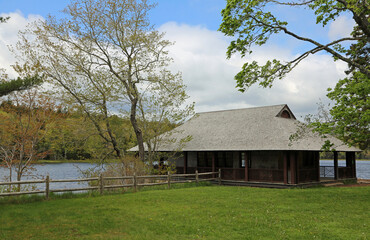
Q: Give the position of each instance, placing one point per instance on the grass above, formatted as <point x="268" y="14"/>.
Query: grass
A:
<point x="207" y="212"/>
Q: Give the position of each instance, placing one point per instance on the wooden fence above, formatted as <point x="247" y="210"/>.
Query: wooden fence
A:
<point x="136" y="181"/>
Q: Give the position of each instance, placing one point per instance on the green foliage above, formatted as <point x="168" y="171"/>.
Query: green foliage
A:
<point x="7" y="87"/>
<point x="350" y="115"/>
<point x="4" y="19"/>
<point x="251" y="22"/>
<point x="195" y="213"/>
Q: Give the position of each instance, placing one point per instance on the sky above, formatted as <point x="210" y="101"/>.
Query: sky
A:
<point x="199" y="53"/>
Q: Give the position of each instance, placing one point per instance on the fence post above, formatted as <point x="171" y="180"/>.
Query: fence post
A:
<point x="169" y="179"/>
<point x="135" y="183"/>
<point x="47" y="187"/>
<point x="219" y="176"/>
<point x="196" y="176"/>
<point x="101" y="184"/>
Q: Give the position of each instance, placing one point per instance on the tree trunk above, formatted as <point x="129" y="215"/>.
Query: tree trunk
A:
<point x="138" y="132"/>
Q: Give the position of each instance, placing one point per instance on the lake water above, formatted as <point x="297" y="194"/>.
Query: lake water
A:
<point x="56" y="171"/>
<point x="73" y="171"/>
<point x="362" y="167"/>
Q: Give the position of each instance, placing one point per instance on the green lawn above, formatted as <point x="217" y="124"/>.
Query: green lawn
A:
<point x="196" y="213"/>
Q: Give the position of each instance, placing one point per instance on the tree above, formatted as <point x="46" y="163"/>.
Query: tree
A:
<point x="24" y="123"/>
<point x="9" y="86"/>
<point x="18" y="84"/>
<point x="105" y="45"/>
<point x="349" y="118"/>
<point x="252" y="24"/>
<point x="161" y="111"/>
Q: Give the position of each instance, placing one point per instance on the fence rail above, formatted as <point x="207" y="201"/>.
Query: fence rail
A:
<point x="135" y="183"/>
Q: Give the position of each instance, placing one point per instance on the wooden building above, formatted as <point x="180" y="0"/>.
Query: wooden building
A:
<point x="254" y="145"/>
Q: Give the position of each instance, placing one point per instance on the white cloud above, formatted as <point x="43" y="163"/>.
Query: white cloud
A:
<point x="341" y="27"/>
<point x="9" y="36"/>
<point x="200" y="55"/>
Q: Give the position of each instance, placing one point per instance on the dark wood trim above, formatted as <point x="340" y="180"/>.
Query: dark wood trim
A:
<point x="185" y="161"/>
<point x="297" y="155"/>
<point x="293" y="169"/>
<point x="246" y="164"/>
<point x="317" y="162"/>
<point x="336" y="165"/>
<point x="354" y="164"/>
<point x="285" y="168"/>
<point x="213" y="162"/>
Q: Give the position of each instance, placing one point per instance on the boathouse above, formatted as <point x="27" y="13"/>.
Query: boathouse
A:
<point x="255" y="145"/>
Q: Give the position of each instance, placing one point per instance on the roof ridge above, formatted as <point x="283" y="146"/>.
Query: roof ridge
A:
<point x="236" y="109"/>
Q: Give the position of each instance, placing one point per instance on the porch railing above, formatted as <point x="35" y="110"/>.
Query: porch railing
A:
<point x="326" y="171"/>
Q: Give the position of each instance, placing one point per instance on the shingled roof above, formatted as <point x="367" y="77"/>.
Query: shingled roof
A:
<point x="259" y="128"/>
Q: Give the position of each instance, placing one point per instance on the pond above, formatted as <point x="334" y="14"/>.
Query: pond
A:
<point x="362" y="167"/>
<point x="73" y="171"/>
<point x="56" y="171"/>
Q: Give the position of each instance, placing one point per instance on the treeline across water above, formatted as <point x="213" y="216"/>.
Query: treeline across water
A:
<point x="71" y="135"/>
<point x="365" y="155"/>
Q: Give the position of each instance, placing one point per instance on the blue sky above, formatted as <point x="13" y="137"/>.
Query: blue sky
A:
<point x="199" y="52"/>
<point x="193" y="12"/>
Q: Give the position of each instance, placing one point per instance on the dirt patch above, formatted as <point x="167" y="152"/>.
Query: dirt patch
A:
<point x="360" y="183"/>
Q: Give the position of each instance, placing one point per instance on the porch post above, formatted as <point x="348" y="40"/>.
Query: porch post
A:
<point x="285" y="168"/>
<point x="293" y="168"/>
<point x="213" y="163"/>
<point x="185" y="161"/>
<point x="246" y="166"/>
<point x="317" y="161"/>
<point x="335" y="165"/>
<point x="354" y="164"/>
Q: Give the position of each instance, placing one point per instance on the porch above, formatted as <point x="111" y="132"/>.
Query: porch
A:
<point x="277" y="167"/>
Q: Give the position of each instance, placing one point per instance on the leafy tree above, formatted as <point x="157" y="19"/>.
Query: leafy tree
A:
<point x="7" y="87"/>
<point x="24" y="123"/>
<point x="4" y="19"/>
<point x="159" y="112"/>
<point x="349" y="118"/>
<point x="104" y="52"/>
<point x="252" y="24"/>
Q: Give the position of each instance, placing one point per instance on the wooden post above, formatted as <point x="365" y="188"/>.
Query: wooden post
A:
<point x="246" y="167"/>
<point x="101" y="184"/>
<point x="354" y="164"/>
<point x="317" y="160"/>
<point x="219" y="176"/>
<point x="285" y="168"/>
<point x="196" y="176"/>
<point x="298" y="155"/>
<point x="213" y="164"/>
<point x="135" y="183"/>
<point x="336" y="165"/>
<point x="185" y="161"/>
<point x="293" y="168"/>
<point x="169" y="179"/>
<point x="47" y="187"/>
